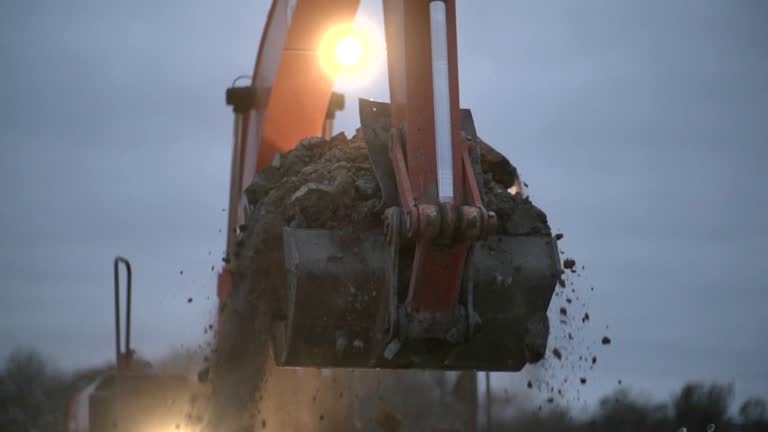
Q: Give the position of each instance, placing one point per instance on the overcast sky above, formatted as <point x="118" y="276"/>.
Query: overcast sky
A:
<point x="641" y="128"/>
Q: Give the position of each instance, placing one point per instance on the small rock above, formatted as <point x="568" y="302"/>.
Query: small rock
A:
<point x="367" y="187"/>
<point x="585" y="318"/>
<point x="569" y="263"/>
<point x="606" y="340"/>
<point x="563" y="312"/>
<point x="559" y="236"/>
<point x="530" y="385"/>
<point x="583" y="380"/>
<point x="314" y="203"/>
<point x="594" y="359"/>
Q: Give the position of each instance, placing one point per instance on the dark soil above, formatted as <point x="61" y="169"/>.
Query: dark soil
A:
<point x="331" y="184"/>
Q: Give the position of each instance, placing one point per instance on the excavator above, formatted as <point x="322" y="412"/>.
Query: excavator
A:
<point x="436" y="285"/>
<point x="441" y="282"/>
<point x="132" y="397"/>
<point x="446" y="290"/>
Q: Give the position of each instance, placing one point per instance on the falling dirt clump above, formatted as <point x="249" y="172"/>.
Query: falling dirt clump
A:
<point x="202" y="376"/>
<point x="556" y="352"/>
<point x="569" y="263"/>
<point x="606" y="340"/>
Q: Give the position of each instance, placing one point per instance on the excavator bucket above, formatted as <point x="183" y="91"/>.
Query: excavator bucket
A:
<point x="335" y="288"/>
<point x="341" y="296"/>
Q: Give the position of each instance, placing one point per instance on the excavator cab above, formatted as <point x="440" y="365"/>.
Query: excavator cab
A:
<point x="447" y="279"/>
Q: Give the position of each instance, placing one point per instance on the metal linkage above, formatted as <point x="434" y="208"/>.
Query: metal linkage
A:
<point x="447" y="223"/>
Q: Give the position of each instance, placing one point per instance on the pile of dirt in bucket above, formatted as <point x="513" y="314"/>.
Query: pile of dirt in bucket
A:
<point x="331" y="184"/>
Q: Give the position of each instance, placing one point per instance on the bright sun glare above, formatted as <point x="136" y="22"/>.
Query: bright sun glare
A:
<point x="349" y="51"/>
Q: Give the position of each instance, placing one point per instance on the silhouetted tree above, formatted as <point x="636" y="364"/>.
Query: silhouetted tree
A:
<point x="620" y="412"/>
<point x="753" y="414"/>
<point x="34" y="397"/>
<point x="699" y="405"/>
<point x="555" y="419"/>
<point x="27" y="388"/>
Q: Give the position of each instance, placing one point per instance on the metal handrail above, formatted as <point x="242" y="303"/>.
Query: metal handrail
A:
<point x="127" y="264"/>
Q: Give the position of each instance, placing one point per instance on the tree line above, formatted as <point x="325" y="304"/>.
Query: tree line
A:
<point x="34" y="398"/>
<point x="699" y="407"/>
